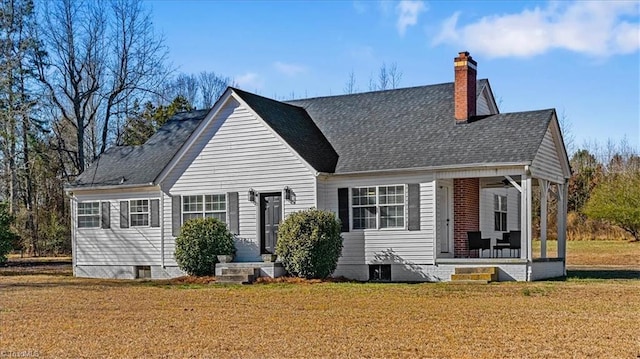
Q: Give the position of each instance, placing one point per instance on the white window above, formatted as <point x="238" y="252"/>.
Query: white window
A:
<point x="139" y="212"/>
<point x="378" y="207"/>
<point x="88" y="214"/>
<point x="500" y="213"/>
<point x="210" y="205"/>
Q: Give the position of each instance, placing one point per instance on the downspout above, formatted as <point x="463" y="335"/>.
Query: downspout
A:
<point x="529" y="236"/>
<point x="72" y="211"/>
<point x="161" y="215"/>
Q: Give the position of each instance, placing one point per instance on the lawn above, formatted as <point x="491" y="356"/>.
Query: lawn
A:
<point x="56" y="315"/>
<point x="596" y="253"/>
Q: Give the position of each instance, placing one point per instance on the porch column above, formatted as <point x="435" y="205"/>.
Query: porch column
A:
<point x="466" y="213"/>
<point x="544" y="190"/>
<point x="526" y="234"/>
<point x="562" y="221"/>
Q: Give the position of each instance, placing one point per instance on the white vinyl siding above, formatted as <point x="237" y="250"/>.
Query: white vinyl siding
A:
<point x="236" y="152"/>
<point x="482" y="104"/>
<point x="386" y="246"/>
<point x="88" y="215"/>
<point x="547" y="162"/>
<point x="118" y="246"/>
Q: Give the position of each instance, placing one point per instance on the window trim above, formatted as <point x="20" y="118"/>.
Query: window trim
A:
<point x="204" y="211"/>
<point x="498" y="201"/>
<point x="405" y="204"/>
<point x="148" y="213"/>
<point x="98" y="215"/>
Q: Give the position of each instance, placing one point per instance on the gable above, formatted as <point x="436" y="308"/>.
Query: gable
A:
<point x="235" y="149"/>
<point x="550" y="161"/>
<point x="486" y="103"/>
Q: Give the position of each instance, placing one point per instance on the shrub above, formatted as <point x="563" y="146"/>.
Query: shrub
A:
<point x="309" y="243"/>
<point x="198" y="244"/>
<point x="7" y="237"/>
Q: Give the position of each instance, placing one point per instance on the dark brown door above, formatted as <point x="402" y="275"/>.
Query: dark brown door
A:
<point x="270" y="216"/>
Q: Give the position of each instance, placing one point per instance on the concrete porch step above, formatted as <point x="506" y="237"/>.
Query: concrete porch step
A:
<point x="235" y="278"/>
<point x="472" y="276"/>
<point x="241" y="270"/>
<point x="488" y="274"/>
<point x="472" y="270"/>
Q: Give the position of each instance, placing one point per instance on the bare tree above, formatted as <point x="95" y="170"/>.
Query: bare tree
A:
<point x="388" y="78"/>
<point x="395" y="75"/>
<point x="350" y="86"/>
<point x="212" y="86"/>
<point x="383" y="77"/>
<point x="566" y="128"/>
<point x="186" y="86"/>
<point x="99" y="55"/>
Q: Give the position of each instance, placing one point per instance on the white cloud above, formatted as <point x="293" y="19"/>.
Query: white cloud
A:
<point x="408" y="11"/>
<point x="289" y="69"/>
<point x="250" y="81"/>
<point x="589" y="27"/>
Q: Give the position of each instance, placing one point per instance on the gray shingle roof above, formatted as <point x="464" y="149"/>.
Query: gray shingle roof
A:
<point x="384" y="130"/>
<point x="415" y="127"/>
<point x="140" y="165"/>
<point x="295" y="126"/>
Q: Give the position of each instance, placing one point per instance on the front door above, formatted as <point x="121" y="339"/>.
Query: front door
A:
<point x="445" y="220"/>
<point x="270" y="216"/>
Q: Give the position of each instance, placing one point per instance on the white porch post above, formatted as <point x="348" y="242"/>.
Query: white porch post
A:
<point x="525" y="252"/>
<point x="562" y="222"/>
<point x="544" y="190"/>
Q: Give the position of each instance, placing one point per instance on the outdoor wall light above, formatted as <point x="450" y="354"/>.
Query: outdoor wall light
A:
<point x="251" y="195"/>
<point x="289" y="195"/>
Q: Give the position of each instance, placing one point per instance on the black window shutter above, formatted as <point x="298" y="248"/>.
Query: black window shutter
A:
<point x="155" y="213"/>
<point x="105" y="215"/>
<point x="233" y="217"/>
<point x="414" y="206"/>
<point x="124" y="214"/>
<point x="176" y="209"/>
<point x="343" y="208"/>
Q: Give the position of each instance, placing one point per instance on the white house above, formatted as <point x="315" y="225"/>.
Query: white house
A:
<point x="410" y="172"/>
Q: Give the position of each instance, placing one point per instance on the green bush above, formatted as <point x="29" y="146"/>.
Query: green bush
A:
<point x="7" y="237"/>
<point x="198" y="244"/>
<point x="309" y="243"/>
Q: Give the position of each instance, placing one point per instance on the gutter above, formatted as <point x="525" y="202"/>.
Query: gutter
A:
<point x="431" y="168"/>
<point x="116" y="186"/>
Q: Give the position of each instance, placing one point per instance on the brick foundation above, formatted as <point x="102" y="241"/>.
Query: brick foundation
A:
<point x="466" y="212"/>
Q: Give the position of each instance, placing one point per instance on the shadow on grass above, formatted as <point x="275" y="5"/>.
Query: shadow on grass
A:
<point x="597" y="273"/>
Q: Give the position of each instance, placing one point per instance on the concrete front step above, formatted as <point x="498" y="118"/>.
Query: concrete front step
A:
<point x="235" y="278"/>
<point x="241" y="270"/>
<point x="472" y="270"/>
<point x="488" y="274"/>
<point x="472" y="276"/>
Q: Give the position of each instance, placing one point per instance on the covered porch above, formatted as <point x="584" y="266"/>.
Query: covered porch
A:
<point x="486" y="218"/>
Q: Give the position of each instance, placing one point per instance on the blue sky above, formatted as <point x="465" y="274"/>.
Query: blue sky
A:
<point x="581" y="58"/>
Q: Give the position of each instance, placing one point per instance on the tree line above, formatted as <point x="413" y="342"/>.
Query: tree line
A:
<point x="77" y="77"/>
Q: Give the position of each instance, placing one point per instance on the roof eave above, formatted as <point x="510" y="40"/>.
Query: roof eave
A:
<point x="69" y="189"/>
<point x="432" y="168"/>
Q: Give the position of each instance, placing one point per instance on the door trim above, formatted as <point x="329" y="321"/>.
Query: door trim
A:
<point x="260" y="233"/>
<point x="439" y="237"/>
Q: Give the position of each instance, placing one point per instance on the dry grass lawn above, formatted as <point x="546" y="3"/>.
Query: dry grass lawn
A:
<point x="64" y="317"/>
<point x="596" y="253"/>
<point x="58" y="316"/>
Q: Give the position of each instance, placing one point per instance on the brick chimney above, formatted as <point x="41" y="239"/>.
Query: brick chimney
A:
<point x="465" y="87"/>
